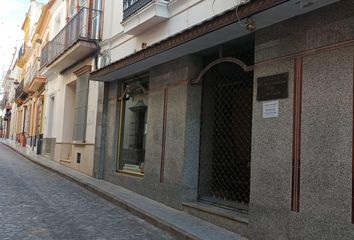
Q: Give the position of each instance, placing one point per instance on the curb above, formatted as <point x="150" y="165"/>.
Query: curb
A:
<point x="141" y="213"/>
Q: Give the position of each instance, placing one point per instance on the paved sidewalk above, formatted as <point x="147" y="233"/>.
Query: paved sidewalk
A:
<point x="180" y="224"/>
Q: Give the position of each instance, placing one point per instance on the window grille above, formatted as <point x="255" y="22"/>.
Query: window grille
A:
<point x="225" y="153"/>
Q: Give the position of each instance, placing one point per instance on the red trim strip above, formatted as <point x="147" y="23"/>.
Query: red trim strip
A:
<point x="353" y="153"/>
<point x="296" y="151"/>
<point x="165" y="102"/>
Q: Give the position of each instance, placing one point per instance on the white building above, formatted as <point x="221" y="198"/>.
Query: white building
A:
<point x="67" y="57"/>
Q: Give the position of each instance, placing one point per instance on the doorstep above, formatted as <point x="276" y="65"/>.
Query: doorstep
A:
<point x="226" y="218"/>
<point x="180" y="224"/>
<point x="219" y="211"/>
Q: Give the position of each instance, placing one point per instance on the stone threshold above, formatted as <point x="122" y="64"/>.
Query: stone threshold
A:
<point x="219" y="211"/>
<point x="178" y="223"/>
<point x="65" y="160"/>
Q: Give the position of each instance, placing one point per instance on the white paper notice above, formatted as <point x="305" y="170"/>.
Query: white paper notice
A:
<point x="271" y="109"/>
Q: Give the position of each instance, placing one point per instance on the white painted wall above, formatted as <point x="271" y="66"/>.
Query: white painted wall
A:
<point x="183" y="14"/>
<point x="58" y="14"/>
<point x="57" y="86"/>
<point x="92" y="112"/>
<point x="53" y="90"/>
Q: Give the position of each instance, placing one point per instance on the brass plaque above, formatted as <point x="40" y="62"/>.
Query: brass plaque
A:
<point x="272" y="87"/>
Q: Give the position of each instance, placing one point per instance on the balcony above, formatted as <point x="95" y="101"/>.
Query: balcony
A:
<point x="20" y="94"/>
<point x="21" y="52"/>
<point x="7" y="116"/>
<point x="132" y="6"/>
<point x="22" y="55"/>
<point x="139" y="15"/>
<point x="76" y="41"/>
<point x="33" y="80"/>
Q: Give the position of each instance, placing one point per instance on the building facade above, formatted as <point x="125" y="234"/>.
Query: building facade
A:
<point x="69" y="46"/>
<point x="54" y="104"/>
<point x="240" y="115"/>
<point x="237" y="112"/>
<point x="11" y="80"/>
<point x="28" y="116"/>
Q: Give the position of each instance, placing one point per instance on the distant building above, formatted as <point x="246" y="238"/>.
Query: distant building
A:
<point x="56" y="104"/>
<point x="29" y="99"/>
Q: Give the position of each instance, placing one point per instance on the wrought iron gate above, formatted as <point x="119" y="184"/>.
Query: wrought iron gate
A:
<point x="225" y="152"/>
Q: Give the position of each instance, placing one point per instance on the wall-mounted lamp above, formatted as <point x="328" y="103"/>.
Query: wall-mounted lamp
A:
<point x="250" y="24"/>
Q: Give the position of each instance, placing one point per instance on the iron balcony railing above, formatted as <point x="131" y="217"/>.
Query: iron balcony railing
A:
<point x="85" y="25"/>
<point x="32" y="73"/>
<point x="20" y="93"/>
<point x="21" y="52"/>
<point x="132" y="6"/>
<point x="7" y="114"/>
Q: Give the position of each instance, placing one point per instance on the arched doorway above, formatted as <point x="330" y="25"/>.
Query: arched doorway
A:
<point x="226" y="125"/>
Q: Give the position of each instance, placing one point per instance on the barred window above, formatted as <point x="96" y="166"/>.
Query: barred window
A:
<point x="133" y="126"/>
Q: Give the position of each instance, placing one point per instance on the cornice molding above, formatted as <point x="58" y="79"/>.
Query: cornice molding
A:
<point x="83" y="70"/>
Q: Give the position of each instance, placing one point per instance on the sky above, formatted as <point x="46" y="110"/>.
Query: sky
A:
<point x="12" y="15"/>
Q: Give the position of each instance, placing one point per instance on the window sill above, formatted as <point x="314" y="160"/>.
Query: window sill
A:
<point x="65" y="160"/>
<point x="130" y="173"/>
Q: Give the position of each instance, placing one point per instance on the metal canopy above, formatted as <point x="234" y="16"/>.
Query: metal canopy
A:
<point x="233" y="31"/>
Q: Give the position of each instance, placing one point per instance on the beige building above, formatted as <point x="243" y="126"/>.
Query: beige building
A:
<point x="29" y="92"/>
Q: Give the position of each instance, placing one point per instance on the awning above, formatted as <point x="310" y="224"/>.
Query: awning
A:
<point x="218" y="30"/>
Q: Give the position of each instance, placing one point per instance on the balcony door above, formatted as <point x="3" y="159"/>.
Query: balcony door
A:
<point x="74" y="6"/>
<point x="84" y="19"/>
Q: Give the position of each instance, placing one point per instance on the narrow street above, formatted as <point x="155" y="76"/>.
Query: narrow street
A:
<point x="36" y="203"/>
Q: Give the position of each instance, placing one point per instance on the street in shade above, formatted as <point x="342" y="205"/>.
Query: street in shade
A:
<point x="37" y="204"/>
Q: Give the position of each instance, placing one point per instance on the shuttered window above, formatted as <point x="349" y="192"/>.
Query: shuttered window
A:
<point x="81" y="102"/>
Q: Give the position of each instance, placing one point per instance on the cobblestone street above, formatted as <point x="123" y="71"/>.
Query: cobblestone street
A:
<point x="38" y="204"/>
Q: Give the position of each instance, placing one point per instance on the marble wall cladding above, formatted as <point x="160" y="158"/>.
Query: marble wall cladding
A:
<point x="271" y="162"/>
<point x="112" y="136"/>
<point x="170" y="78"/>
<point x="326" y="147"/>
<point x="191" y="147"/>
<point x="325" y="26"/>
<point x="326" y="131"/>
<point x="154" y="136"/>
<point x="175" y="135"/>
<point x="101" y="122"/>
